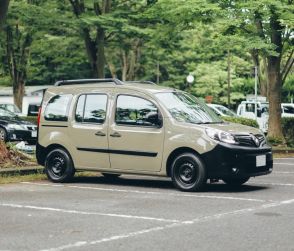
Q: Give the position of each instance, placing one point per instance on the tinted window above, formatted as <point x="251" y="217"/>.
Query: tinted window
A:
<point x="288" y="109"/>
<point x="91" y="108"/>
<point x="134" y="111"/>
<point x="57" y="108"/>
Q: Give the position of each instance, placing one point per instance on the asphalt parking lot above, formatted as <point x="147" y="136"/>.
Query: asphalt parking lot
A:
<point x="144" y="213"/>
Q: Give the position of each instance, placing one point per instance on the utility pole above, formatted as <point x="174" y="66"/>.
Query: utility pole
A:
<point x="157" y="72"/>
<point x="255" y="89"/>
<point x="229" y="79"/>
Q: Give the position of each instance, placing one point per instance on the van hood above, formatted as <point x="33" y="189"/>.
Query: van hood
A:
<point x="234" y="128"/>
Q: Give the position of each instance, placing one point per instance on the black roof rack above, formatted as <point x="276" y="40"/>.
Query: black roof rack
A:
<point x="141" y="82"/>
<point x="88" y="81"/>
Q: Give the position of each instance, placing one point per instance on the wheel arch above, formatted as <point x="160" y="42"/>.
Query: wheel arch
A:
<point x="176" y="152"/>
<point x="41" y="155"/>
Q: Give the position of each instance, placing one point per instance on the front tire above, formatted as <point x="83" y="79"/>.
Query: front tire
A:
<point x="188" y="172"/>
<point x="236" y="181"/>
<point x="59" y="166"/>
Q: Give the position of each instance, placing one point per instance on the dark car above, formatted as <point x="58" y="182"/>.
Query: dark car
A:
<point x="13" y="128"/>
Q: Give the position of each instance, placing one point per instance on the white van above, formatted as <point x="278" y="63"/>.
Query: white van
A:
<point x="247" y="110"/>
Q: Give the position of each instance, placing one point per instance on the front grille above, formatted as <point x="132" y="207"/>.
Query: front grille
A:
<point x="31" y="128"/>
<point x="256" y="140"/>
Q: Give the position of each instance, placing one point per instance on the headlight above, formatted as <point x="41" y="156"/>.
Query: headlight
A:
<point x="220" y="136"/>
<point x="16" y="127"/>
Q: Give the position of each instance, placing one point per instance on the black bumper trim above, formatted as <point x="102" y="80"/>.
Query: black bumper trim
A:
<point x="234" y="161"/>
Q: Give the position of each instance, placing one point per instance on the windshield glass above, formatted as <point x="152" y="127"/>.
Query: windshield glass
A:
<point x="226" y="111"/>
<point x="7" y="114"/>
<point x="186" y="108"/>
<point x="10" y="107"/>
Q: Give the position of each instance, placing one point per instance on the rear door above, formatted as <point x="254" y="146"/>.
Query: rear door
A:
<point x="135" y="143"/>
<point x="89" y="131"/>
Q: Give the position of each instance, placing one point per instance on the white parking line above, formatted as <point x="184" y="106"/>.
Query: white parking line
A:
<point x="280" y="172"/>
<point x="286" y="164"/>
<point x="283" y="159"/>
<point x="180" y="194"/>
<point x="86" y="213"/>
<point x="156" y="229"/>
<point x="271" y="184"/>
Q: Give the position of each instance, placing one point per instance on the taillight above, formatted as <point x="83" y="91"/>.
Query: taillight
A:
<point x="39" y="116"/>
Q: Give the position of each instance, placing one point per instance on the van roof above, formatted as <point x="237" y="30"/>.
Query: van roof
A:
<point x="134" y="85"/>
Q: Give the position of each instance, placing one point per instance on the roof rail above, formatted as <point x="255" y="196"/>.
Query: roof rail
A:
<point x="88" y="81"/>
<point x="141" y="82"/>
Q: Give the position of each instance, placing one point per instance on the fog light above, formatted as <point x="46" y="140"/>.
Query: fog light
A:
<point x="13" y="136"/>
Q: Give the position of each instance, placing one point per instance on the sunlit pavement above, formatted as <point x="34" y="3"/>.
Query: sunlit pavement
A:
<point x="147" y="213"/>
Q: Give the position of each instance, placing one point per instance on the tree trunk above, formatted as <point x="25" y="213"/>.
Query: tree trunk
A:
<point x="18" y="92"/>
<point x="100" y="52"/>
<point x="275" y="128"/>
<point x="3" y="11"/>
<point x="275" y="80"/>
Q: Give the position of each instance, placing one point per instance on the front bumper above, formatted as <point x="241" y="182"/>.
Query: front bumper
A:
<point x="227" y="161"/>
<point x="25" y="135"/>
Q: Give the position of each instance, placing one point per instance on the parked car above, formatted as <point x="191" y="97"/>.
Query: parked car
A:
<point x="287" y="110"/>
<point x="30" y="105"/>
<point x="13" y="128"/>
<point x="222" y="110"/>
<point x="119" y="128"/>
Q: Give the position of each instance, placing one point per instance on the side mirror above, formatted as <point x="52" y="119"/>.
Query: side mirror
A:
<point x="259" y="112"/>
<point x="154" y="118"/>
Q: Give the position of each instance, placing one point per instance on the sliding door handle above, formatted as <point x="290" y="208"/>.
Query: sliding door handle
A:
<point x="115" y="135"/>
<point x="100" y="134"/>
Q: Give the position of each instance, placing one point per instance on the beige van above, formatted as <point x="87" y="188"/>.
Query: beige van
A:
<point x="141" y="128"/>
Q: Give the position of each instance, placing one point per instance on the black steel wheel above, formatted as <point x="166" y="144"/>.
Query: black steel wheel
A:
<point x="3" y="134"/>
<point x="236" y="181"/>
<point x="59" y="166"/>
<point x="188" y="172"/>
<point x="110" y="175"/>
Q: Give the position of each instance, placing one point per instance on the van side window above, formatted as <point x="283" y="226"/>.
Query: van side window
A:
<point x="91" y="108"/>
<point x="132" y="110"/>
<point x="57" y="108"/>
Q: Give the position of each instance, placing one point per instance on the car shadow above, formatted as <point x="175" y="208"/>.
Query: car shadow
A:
<point x="163" y="183"/>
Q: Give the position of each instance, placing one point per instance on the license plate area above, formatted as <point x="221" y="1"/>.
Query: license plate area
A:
<point x="260" y="160"/>
<point x="34" y="134"/>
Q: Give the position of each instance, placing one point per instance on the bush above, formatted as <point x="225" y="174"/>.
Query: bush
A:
<point x="243" y="121"/>
<point x="288" y="130"/>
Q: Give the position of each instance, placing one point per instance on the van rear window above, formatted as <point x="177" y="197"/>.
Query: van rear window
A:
<point x="57" y="108"/>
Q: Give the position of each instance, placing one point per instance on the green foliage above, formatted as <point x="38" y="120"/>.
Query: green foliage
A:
<point x="288" y="130"/>
<point x="243" y="121"/>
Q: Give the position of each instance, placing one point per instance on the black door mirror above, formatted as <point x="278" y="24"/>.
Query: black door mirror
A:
<point x="154" y="119"/>
<point x="258" y="112"/>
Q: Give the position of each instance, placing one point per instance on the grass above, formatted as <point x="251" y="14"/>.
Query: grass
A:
<point x="16" y="178"/>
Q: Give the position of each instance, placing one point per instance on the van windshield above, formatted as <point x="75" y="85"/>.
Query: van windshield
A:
<point x="186" y="108"/>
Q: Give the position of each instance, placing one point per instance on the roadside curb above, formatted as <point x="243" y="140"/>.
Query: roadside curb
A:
<point x="25" y="170"/>
<point x="283" y="151"/>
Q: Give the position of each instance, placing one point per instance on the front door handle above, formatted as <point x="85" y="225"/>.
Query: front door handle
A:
<point x="116" y="135"/>
<point x="100" y="134"/>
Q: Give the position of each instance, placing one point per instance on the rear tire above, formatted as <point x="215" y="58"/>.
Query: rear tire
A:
<point x="188" y="172"/>
<point x="110" y="176"/>
<point x="59" y="166"/>
<point x="3" y="135"/>
<point x="236" y="181"/>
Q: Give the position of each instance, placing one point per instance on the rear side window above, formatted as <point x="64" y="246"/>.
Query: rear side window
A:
<point x="91" y="108"/>
<point x="132" y="110"/>
<point x="57" y="108"/>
